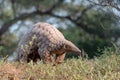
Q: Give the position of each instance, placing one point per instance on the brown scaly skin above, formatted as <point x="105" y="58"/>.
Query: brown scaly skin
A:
<point x="43" y="41"/>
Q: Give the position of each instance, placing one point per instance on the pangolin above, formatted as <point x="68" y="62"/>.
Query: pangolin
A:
<point x="43" y="41"/>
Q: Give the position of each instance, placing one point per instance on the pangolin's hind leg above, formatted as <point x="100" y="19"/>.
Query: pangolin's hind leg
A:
<point x="36" y="57"/>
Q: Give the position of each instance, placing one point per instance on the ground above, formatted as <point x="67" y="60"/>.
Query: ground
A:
<point x="102" y="68"/>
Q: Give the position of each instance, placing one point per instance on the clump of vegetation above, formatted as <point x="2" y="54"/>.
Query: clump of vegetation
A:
<point x="106" y="67"/>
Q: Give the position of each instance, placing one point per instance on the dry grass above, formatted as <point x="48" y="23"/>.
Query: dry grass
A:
<point x="103" y="68"/>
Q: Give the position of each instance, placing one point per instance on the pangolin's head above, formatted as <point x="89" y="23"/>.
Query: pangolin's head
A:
<point x="70" y="47"/>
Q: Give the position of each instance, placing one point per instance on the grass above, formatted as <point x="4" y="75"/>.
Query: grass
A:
<point x="106" y="67"/>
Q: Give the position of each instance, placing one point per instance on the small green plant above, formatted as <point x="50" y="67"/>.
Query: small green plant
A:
<point x="1" y="48"/>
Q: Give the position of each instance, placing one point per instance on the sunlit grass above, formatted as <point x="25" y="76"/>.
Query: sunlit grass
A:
<point x="106" y="67"/>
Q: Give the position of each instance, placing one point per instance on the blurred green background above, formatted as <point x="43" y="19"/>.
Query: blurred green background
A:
<point x="92" y="25"/>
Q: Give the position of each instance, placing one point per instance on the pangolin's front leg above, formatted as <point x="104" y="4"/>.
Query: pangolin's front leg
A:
<point x="45" y="56"/>
<point x="60" y="58"/>
<point x="48" y="58"/>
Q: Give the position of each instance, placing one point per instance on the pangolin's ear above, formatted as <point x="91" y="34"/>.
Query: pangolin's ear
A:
<point x="66" y="47"/>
